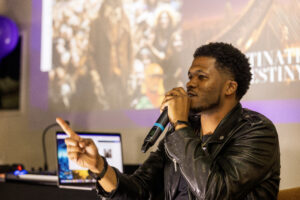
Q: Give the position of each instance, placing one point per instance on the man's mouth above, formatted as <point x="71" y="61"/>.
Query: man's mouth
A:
<point x="191" y="94"/>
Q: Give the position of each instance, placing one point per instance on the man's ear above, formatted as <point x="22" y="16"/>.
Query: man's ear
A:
<point x="231" y="87"/>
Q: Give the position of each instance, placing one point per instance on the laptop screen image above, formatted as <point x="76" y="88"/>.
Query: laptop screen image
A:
<point x="70" y="174"/>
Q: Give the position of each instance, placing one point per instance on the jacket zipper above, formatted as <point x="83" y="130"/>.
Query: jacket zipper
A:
<point x="175" y="165"/>
<point x="173" y="159"/>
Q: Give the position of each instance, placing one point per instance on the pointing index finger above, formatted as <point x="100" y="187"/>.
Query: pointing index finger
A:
<point x="67" y="129"/>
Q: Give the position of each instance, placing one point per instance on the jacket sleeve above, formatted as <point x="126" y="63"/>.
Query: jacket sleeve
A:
<point x="240" y="166"/>
<point x="145" y="183"/>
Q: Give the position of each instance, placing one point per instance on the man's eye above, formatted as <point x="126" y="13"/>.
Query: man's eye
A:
<point x="201" y="77"/>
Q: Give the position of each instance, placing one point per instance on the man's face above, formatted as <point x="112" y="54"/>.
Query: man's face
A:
<point x="205" y="85"/>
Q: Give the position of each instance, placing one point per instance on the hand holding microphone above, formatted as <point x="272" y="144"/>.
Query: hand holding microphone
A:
<point x="175" y="107"/>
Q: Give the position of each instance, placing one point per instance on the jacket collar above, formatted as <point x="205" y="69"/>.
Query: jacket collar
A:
<point x="226" y="125"/>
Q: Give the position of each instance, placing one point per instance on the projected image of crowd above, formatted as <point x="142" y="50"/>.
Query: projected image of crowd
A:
<point x="119" y="54"/>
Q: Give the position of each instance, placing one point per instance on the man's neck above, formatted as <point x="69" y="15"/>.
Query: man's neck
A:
<point x="211" y="119"/>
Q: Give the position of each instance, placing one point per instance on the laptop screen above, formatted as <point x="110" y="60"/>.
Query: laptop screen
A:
<point x="109" y="145"/>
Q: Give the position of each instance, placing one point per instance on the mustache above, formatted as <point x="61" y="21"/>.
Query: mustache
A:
<point x="191" y="92"/>
<point x="190" y="89"/>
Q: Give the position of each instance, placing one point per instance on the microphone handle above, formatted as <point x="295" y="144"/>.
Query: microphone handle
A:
<point x="156" y="130"/>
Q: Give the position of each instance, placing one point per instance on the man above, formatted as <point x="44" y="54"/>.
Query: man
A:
<point x="224" y="152"/>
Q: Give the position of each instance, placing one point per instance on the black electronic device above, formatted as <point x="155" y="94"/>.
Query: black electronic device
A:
<point x="156" y="130"/>
<point x="11" y="168"/>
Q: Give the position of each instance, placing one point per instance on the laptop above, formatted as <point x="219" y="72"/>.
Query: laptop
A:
<point x="73" y="176"/>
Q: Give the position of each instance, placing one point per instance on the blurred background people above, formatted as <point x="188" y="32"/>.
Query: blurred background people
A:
<point x="152" y="88"/>
<point x="110" y="51"/>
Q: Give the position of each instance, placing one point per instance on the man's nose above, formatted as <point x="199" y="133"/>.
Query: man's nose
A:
<point x="190" y="84"/>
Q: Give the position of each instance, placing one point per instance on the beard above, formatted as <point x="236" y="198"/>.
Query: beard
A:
<point x="201" y="108"/>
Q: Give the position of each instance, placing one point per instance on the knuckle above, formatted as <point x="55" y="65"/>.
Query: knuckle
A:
<point x="69" y="149"/>
<point x="70" y="142"/>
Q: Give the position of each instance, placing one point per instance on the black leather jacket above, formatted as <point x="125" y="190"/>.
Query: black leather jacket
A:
<point x="241" y="160"/>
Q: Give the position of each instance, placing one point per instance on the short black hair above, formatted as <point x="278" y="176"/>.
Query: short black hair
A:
<point x="230" y="59"/>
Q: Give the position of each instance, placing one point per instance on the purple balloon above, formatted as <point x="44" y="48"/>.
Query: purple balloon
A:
<point x="9" y="35"/>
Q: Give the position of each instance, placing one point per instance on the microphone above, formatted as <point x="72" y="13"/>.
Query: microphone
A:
<point x="44" y="143"/>
<point x="156" y="130"/>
